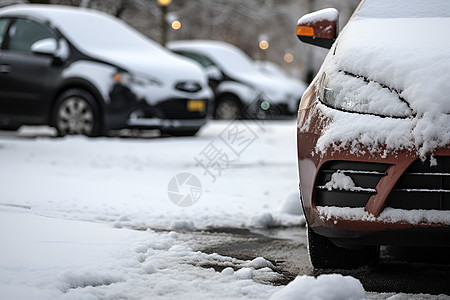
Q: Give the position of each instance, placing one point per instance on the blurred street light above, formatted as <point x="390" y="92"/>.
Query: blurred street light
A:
<point x="164" y="2"/>
<point x="163" y="5"/>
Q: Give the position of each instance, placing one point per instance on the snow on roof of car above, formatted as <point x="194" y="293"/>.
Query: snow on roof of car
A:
<point x="227" y="56"/>
<point x="86" y="28"/>
<point x="103" y="36"/>
<point x="407" y="54"/>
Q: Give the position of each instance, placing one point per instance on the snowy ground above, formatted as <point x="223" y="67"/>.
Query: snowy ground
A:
<point x="95" y="218"/>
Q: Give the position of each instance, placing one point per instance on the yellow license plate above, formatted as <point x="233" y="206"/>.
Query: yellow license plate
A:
<point x="196" y="105"/>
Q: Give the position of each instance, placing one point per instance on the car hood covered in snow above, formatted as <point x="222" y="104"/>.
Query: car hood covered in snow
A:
<point x="399" y="52"/>
<point x="404" y="47"/>
<point x="109" y="39"/>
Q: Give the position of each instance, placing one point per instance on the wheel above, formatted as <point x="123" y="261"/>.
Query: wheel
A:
<point x="77" y="112"/>
<point x="323" y="254"/>
<point x="228" y="108"/>
<point x="180" y="132"/>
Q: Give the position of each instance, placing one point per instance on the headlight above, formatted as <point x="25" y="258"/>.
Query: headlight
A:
<point x="353" y="93"/>
<point x="128" y="79"/>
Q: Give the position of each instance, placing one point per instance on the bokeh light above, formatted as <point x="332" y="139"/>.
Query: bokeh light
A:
<point x="288" y="57"/>
<point x="176" y="25"/>
<point x="264" y="45"/>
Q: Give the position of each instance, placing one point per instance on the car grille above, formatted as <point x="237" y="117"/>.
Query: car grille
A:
<point x="364" y="175"/>
<point x="177" y="109"/>
<point x="423" y="186"/>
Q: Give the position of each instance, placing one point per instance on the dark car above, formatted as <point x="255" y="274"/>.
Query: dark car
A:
<point x="374" y="132"/>
<point x="85" y="72"/>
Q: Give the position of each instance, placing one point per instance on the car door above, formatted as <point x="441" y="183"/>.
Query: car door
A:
<point x="27" y="79"/>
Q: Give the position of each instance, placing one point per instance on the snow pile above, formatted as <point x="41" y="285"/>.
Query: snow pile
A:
<point x="372" y="70"/>
<point x="259" y="263"/>
<point x="291" y="205"/>
<point x="340" y="181"/>
<point x="324" y="287"/>
<point x="388" y="215"/>
<point x="265" y="220"/>
<point x="46" y="258"/>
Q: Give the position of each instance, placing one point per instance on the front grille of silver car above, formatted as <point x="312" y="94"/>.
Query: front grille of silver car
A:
<point x="424" y="185"/>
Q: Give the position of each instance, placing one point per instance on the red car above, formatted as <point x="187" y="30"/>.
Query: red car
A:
<point x="374" y="131"/>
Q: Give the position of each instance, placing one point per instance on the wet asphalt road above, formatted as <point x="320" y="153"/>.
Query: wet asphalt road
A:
<point x="414" y="271"/>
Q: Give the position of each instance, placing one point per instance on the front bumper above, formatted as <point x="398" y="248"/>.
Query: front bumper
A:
<point x="148" y="123"/>
<point x="397" y="199"/>
<point x="127" y="110"/>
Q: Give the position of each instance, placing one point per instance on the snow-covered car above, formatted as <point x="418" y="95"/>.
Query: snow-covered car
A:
<point x="374" y="131"/>
<point x="274" y="70"/>
<point x="86" y="72"/>
<point x="241" y="89"/>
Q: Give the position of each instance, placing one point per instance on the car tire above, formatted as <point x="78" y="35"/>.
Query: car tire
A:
<point x="323" y="254"/>
<point x="228" y="108"/>
<point x="77" y="112"/>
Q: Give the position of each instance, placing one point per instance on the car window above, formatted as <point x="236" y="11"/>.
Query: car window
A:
<point x="23" y="33"/>
<point x="3" y="25"/>
<point x="204" y="61"/>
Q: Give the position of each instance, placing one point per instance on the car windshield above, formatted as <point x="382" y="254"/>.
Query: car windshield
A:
<point x="93" y="31"/>
<point x="388" y="9"/>
<point x="232" y="60"/>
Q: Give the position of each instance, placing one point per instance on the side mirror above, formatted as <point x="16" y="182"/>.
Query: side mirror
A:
<point x="319" y="28"/>
<point x="46" y="46"/>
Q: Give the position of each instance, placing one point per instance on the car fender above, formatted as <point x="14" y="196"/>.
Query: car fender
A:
<point x="98" y="74"/>
<point x="245" y="93"/>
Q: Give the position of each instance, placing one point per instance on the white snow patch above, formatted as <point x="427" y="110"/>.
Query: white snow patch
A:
<point x="227" y="271"/>
<point x="244" y="273"/>
<point x="182" y="225"/>
<point x="259" y="263"/>
<point x="265" y="220"/>
<point x="108" y="263"/>
<point x="388" y="215"/>
<point x="291" y="205"/>
<point x="324" y="287"/>
<point x="328" y="14"/>
<point x="341" y="181"/>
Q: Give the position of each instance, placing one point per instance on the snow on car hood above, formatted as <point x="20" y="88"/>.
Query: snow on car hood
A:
<point x="162" y="67"/>
<point x="409" y="55"/>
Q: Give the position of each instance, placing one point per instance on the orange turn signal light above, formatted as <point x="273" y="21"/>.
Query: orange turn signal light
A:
<point x="305" y="30"/>
<point x="117" y="77"/>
